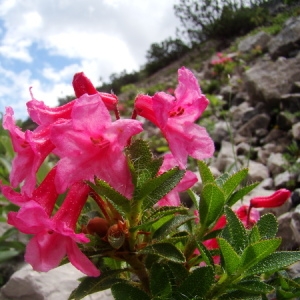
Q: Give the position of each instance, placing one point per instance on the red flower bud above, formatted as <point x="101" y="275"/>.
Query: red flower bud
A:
<point x="274" y="200"/>
<point x="82" y="85"/>
<point x="98" y="225"/>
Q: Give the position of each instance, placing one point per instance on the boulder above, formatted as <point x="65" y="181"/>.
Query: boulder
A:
<point x="257" y="171"/>
<point x="288" y="39"/>
<point x="267" y="81"/>
<point x="276" y="163"/>
<point x="257" y="122"/>
<point x="259" y="40"/>
<point x="58" y="283"/>
<point x="296" y="131"/>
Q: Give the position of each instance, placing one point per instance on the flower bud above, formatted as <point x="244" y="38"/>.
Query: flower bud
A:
<point x="82" y="85"/>
<point x="97" y="225"/>
<point x="274" y="200"/>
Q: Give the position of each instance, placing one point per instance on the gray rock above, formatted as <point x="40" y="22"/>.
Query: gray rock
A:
<point x="290" y="102"/>
<point x="296" y="87"/>
<point x="267" y="184"/>
<point x="260" y="40"/>
<point x="279" y="137"/>
<point x="257" y="122"/>
<point x="220" y="132"/>
<point x="296" y="197"/>
<point x="257" y="171"/>
<point x="264" y="152"/>
<point x="243" y="149"/>
<point x="276" y="163"/>
<point x="226" y="157"/>
<point x="58" y="283"/>
<point x="284" y="121"/>
<point x="281" y="180"/>
<point x="296" y="131"/>
<point x="285" y="231"/>
<point x="267" y="80"/>
<point x="287" y="40"/>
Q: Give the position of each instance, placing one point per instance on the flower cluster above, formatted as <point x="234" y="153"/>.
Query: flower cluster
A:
<point x="90" y="144"/>
<point x="222" y="59"/>
<point x="137" y="216"/>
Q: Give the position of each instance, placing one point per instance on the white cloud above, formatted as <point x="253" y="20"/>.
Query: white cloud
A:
<point x="99" y="37"/>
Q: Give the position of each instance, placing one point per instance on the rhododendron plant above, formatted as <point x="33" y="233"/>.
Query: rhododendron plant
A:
<point x="114" y="210"/>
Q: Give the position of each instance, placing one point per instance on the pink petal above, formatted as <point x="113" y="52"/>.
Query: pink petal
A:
<point x="189" y="179"/>
<point x="45" y="115"/>
<point x="45" y="251"/>
<point x="189" y="139"/>
<point x="31" y="148"/>
<point x="80" y="261"/>
<point x="30" y="219"/>
<point x="91" y="108"/>
<point x="144" y="107"/>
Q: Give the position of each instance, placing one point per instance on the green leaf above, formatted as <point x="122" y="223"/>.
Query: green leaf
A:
<point x="275" y="262"/>
<point x="239" y="295"/>
<point x="292" y="294"/>
<point x="233" y="182"/>
<point x="179" y="272"/>
<point x="142" y="164"/>
<point x="158" y="214"/>
<point x="160" y="284"/>
<point x="194" y="197"/>
<point x="254" y="286"/>
<point x="267" y="226"/>
<point x="231" y="258"/>
<point x="122" y="291"/>
<point x="205" y="254"/>
<point x="254" y="235"/>
<point x="198" y="283"/>
<point x="8" y="254"/>
<point x="180" y="237"/>
<point x="286" y="281"/>
<point x="166" y="251"/>
<point x="234" y="232"/>
<point x="211" y="204"/>
<point x="254" y="253"/>
<point x="155" y="189"/>
<point x="6" y="142"/>
<point x="10" y="232"/>
<point x="170" y="226"/>
<point x="222" y="179"/>
<point x="239" y="194"/>
<point x="91" y="285"/>
<point x="119" y="202"/>
<point x="205" y="173"/>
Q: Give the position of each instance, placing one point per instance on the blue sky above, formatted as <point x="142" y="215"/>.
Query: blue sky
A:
<point x="44" y="42"/>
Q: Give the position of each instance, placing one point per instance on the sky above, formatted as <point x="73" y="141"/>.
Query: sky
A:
<point x="43" y="43"/>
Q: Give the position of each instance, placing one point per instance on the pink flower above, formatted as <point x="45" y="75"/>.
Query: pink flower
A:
<point x="276" y="199"/>
<point x="212" y="243"/>
<point x="189" y="179"/>
<point x="248" y="216"/>
<point x="175" y="116"/>
<point x="45" y="195"/>
<point x="32" y="147"/>
<point x="54" y="237"/>
<point x="90" y="144"/>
